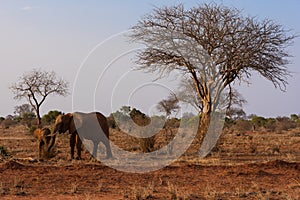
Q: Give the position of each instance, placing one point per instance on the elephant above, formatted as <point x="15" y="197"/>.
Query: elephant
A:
<point x="45" y="142"/>
<point x="87" y="124"/>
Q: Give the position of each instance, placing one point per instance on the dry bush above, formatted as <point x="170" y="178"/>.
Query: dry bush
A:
<point x="141" y="193"/>
<point x="173" y="191"/>
<point x="147" y="144"/>
<point x="165" y="137"/>
<point x="271" y="124"/>
<point x="284" y="124"/>
<point x="172" y="123"/>
<point x="8" y="123"/>
<point x="261" y="124"/>
<point x="242" y="126"/>
<point x="32" y="122"/>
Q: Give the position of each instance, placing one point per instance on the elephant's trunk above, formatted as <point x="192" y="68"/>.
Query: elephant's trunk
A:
<point x="54" y="130"/>
<point x="52" y="142"/>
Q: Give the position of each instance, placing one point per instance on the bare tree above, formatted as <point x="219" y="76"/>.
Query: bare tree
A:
<point x="23" y="109"/>
<point x="36" y="86"/>
<point x="236" y="113"/>
<point x="168" y="105"/>
<point x="213" y="46"/>
<point x="187" y="94"/>
<point x="25" y="114"/>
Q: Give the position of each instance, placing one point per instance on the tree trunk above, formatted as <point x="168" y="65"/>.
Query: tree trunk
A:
<point x="204" y="123"/>
<point x="38" y="116"/>
<point x="39" y="121"/>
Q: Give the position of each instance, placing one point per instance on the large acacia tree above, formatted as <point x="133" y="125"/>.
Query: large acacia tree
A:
<point x="213" y="46"/>
<point x="35" y="86"/>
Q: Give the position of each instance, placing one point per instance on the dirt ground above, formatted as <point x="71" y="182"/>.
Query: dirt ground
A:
<point x="243" y="166"/>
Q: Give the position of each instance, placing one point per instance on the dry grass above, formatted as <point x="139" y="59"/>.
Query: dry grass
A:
<point x="100" y="186"/>
<point x="147" y="144"/>
<point x="74" y="187"/>
<point x="173" y="191"/>
<point x="210" y="193"/>
<point x="141" y="193"/>
<point x="18" y="186"/>
<point x="2" y="188"/>
<point x="234" y="150"/>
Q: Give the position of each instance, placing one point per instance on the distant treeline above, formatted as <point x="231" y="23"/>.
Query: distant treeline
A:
<point x="238" y="121"/>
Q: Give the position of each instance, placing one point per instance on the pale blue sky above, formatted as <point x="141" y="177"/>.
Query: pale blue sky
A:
<point x="58" y="35"/>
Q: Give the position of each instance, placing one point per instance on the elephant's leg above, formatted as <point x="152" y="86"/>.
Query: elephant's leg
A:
<point x="72" y="144"/>
<point x="108" y="150"/>
<point x="78" y="146"/>
<point x="95" y="149"/>
<point x="40" y="146"/>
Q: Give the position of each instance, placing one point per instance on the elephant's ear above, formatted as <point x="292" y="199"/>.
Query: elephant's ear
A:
<point x="78" y="120"/>
<point x="68" y="117"/>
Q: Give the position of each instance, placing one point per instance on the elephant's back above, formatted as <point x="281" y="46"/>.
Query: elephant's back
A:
<point x="89" y="118"/>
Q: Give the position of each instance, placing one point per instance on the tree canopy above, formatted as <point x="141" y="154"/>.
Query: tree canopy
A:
<point x="35" y="86"/>
<point x="212" y="46"/>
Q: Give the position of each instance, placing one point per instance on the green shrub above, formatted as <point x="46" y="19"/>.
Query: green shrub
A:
<point x="1" y="119"/>
<point x="294" y="117"/>
<point x="51" y="116"/>
<point x="229" y="122"/>
<point x="32" y="129"/>
<point x="27" y="118"/>
<point x="298" y="123"/>
<point x="271" y="124"/>
<point x="258" y="122"/>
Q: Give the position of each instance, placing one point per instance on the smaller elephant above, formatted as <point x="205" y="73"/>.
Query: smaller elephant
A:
<point x="87" y="124"/>
<point x="45" y="142"/>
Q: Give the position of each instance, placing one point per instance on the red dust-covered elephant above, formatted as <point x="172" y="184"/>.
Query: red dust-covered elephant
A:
<point x="87" y="124"/>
